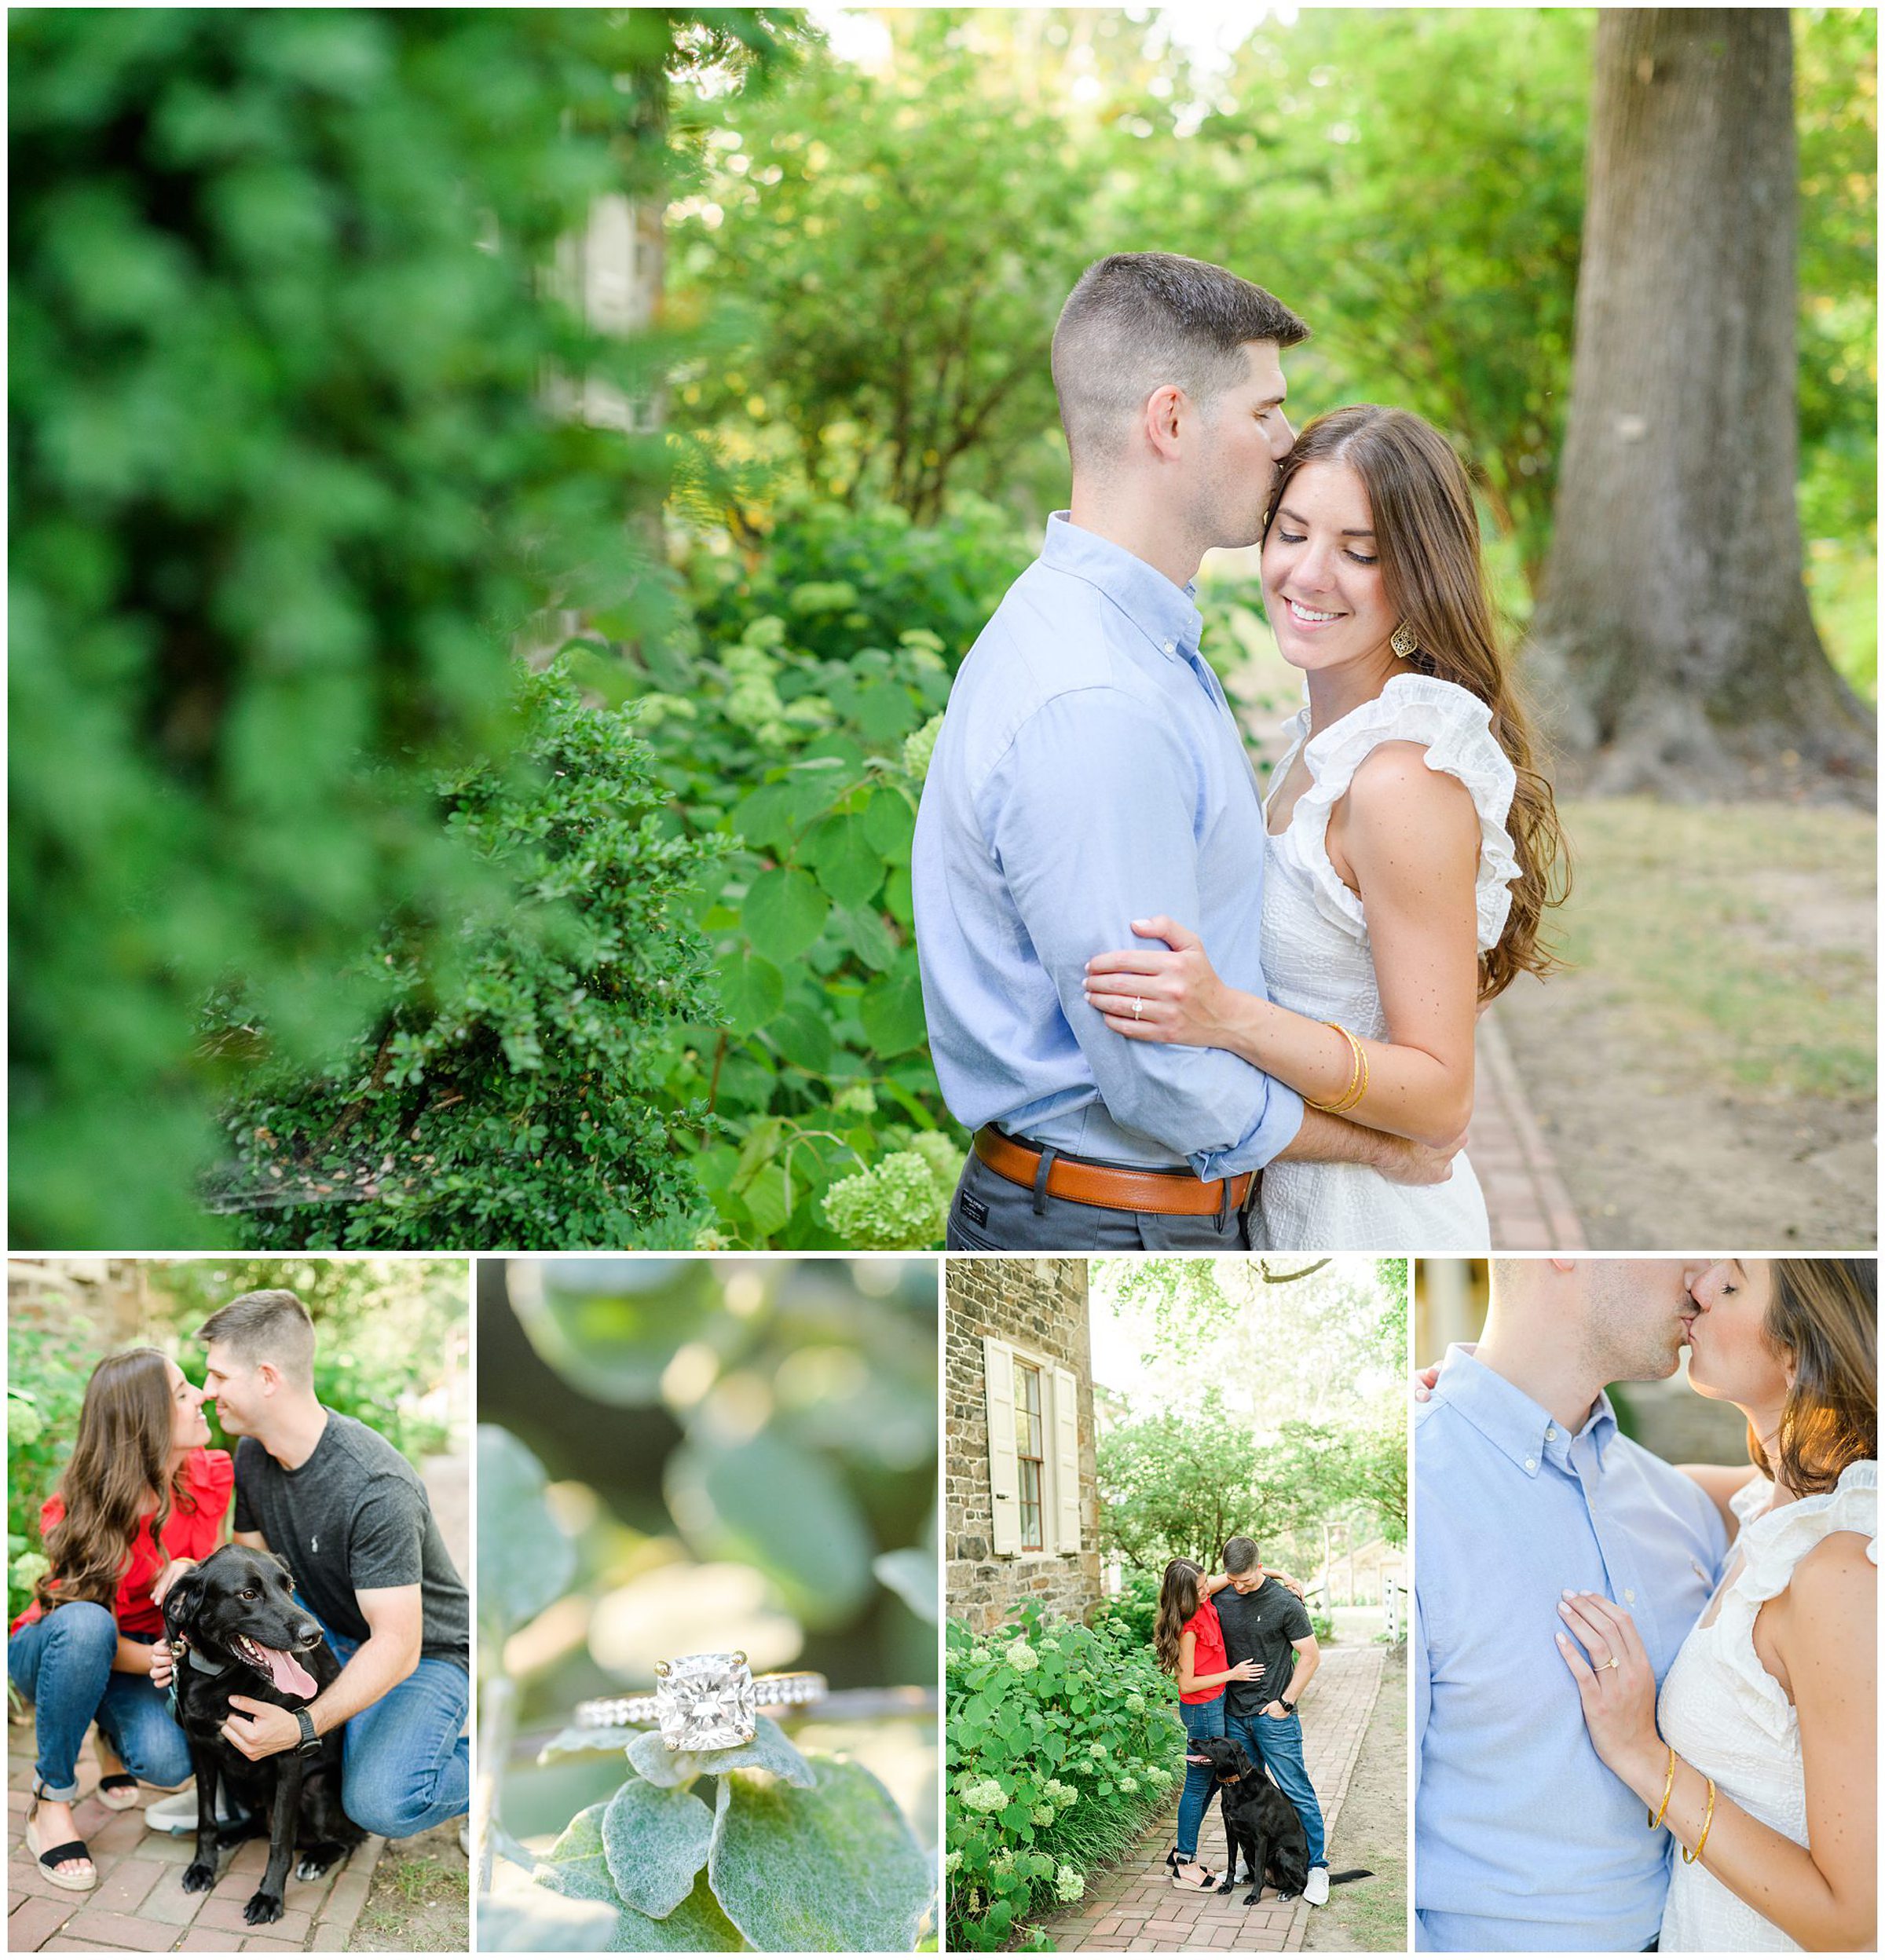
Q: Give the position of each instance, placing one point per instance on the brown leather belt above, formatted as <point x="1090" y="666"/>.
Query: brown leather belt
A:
<point x="1175" y="1193"/>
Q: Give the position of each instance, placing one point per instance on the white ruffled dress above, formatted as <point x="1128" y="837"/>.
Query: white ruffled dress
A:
<point x="1724" y="1713"/>
<point x="1318" y="961"/>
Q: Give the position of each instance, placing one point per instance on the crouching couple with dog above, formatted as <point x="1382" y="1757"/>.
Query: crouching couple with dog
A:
<point x="312" y="1676"/>
<point x="1240" y="1647"/>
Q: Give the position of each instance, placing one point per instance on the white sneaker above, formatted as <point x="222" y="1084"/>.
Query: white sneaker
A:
<point x="177" y="1814"/>
<point x="1316" y="1891"/>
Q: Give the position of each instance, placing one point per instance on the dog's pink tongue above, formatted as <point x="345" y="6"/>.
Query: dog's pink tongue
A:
<point x="286" y="1672"/>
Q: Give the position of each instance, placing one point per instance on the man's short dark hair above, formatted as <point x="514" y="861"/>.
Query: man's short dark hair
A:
<point x="1240" y="1556"/>
<point x="271" y="1325"/>
<point x="1139" y="321"/>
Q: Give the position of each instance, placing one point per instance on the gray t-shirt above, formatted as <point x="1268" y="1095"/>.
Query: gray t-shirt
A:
<point x="352" y="1519"/>
<point x="1263" y="1626"/>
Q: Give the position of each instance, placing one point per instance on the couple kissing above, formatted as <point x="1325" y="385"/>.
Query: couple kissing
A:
<point x="1175" y="1013"/>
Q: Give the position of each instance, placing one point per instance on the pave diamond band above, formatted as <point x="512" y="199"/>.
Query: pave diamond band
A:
<point x="704" y="1700"/>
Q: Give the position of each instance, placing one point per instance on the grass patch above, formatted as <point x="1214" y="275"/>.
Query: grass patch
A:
<point x="1739" y="938"/>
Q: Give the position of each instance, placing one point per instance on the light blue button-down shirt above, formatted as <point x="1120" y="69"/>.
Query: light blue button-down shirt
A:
<point x="1523" y="1840"/>
<point x="1089" y="772"/>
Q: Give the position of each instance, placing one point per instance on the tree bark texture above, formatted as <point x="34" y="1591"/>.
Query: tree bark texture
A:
<point x="1674" y="639"/>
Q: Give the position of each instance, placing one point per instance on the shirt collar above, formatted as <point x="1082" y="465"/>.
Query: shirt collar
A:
<point x="1510" y="1420"/>
<point x="1163" y="611"/>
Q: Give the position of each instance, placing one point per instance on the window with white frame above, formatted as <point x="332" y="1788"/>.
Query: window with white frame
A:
<point x="1034" y="1452"/>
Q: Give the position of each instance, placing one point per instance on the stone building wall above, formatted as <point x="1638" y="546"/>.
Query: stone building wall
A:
<point x="1040" y="1306"/>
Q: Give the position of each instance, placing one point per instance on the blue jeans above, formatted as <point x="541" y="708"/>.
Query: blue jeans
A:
<point x="406" y="1764"/>
<point x="61" y="1662"/>
<point x="1200" y="1718"/>
<point x="1277" y="1744"/>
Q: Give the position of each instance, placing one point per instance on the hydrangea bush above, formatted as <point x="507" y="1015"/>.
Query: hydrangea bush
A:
<point x="1063" y="1741"/>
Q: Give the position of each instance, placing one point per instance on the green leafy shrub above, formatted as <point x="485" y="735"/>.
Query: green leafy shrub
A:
<point x="848" y="576"/>
<point x="285" y="492"/>
<point x="1135" y="1605"/>
<point x="798" y="741"/>
<point x="507" y="1090"/>
<point x="1063" y="1741"/>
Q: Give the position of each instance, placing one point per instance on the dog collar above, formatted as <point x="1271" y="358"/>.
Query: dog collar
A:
<point x="201" y="1666"/>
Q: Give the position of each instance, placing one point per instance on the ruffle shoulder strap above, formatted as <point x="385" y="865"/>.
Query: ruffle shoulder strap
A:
<point x="1455" y="728"/>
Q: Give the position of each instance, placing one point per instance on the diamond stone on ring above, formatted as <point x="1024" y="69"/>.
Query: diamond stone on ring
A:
<point x="1613" y="1662"/>
<point x="1138" y="1007"/>
<point x="705" y="1701"/>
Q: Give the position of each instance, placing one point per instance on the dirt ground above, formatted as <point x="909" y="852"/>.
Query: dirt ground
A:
<point x="420" y="1899"/>
<point x="1704" y="1071"/>
<point x="1370" y="1915"/>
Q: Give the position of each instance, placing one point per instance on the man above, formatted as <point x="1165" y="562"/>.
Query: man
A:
<point x="351" y="1518"/>
<point x="1089" y="773"/>
<point x="1264" y="1621"/>
<point x="1524" y="1488"/>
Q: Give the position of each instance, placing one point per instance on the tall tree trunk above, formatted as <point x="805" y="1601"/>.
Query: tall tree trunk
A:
<point x="1673" y="636"/>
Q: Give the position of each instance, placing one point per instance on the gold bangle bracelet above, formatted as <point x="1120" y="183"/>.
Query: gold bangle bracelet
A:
<point x="1668" y="1788"/>
<point x="1358" y="1076"/>
<point x="1695" y="1857"/>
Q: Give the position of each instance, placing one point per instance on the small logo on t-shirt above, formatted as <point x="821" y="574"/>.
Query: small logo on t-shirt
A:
<point x="314" y="1543"/>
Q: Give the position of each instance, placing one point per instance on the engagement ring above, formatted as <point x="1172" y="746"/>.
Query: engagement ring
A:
<point x="1138" y="1007"/>
<point x="705" y="1701"/>
<point x="1613" y="1662"/>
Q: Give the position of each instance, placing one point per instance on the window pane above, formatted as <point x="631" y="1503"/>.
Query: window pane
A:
<point x="1031" y="1540"/>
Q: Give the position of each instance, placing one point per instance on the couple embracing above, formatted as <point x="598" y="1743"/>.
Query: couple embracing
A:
<point x="1240" y="1648"/>
<point x="1646" y="1697"/>
<point x="143" y="1500"/>
<point x="1174" y="1014"/>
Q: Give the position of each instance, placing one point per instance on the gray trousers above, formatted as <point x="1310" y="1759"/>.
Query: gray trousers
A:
<point x="991" y="1214"/>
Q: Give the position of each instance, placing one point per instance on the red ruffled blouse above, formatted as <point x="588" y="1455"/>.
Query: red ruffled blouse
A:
<point x="193" y="1530"/>
<point x="1208" y="1657"/>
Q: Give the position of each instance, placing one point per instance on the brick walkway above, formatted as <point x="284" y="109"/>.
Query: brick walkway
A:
<point x="1133" y="1908"/>
<point x="139" y="1905"/>
<point x="1530" y="1208"/>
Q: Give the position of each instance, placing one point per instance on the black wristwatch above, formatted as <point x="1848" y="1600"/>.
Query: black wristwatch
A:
<point x="1288" y="1707"/>
<point x="310" y="1744"/>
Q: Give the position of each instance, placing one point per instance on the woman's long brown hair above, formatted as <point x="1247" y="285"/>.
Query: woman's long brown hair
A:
<point x="126" y="1428"/>
<point x="1426" y="533"/>
<point x="1824" y="1316"/>
<point x="1178" y="1598"/>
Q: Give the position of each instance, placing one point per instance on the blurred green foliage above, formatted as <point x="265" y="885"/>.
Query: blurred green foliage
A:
<point x="1411" y="181"/>
<point x="287" y="488"/>
<point x="506" y="1092"/>
<point x="389" y="1335"/>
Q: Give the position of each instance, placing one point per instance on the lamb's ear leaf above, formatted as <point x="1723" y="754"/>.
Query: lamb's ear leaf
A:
<point x="654" y="1842"/>
<point x="576" y="1867"/>
<point x="830" y="1869"/>
<point x="524" y="1557"/>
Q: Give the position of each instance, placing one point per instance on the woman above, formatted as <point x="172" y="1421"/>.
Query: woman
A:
<point x="1189" y="1643"/>
<point x="1761" y="1755"/>
<point x="141" y="1501"/>
<point x="1412" y="844"/>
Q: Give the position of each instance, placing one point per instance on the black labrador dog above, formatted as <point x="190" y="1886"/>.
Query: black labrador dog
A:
<point x="235" y="1628"/>
<point x="1259" y="1821"/>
